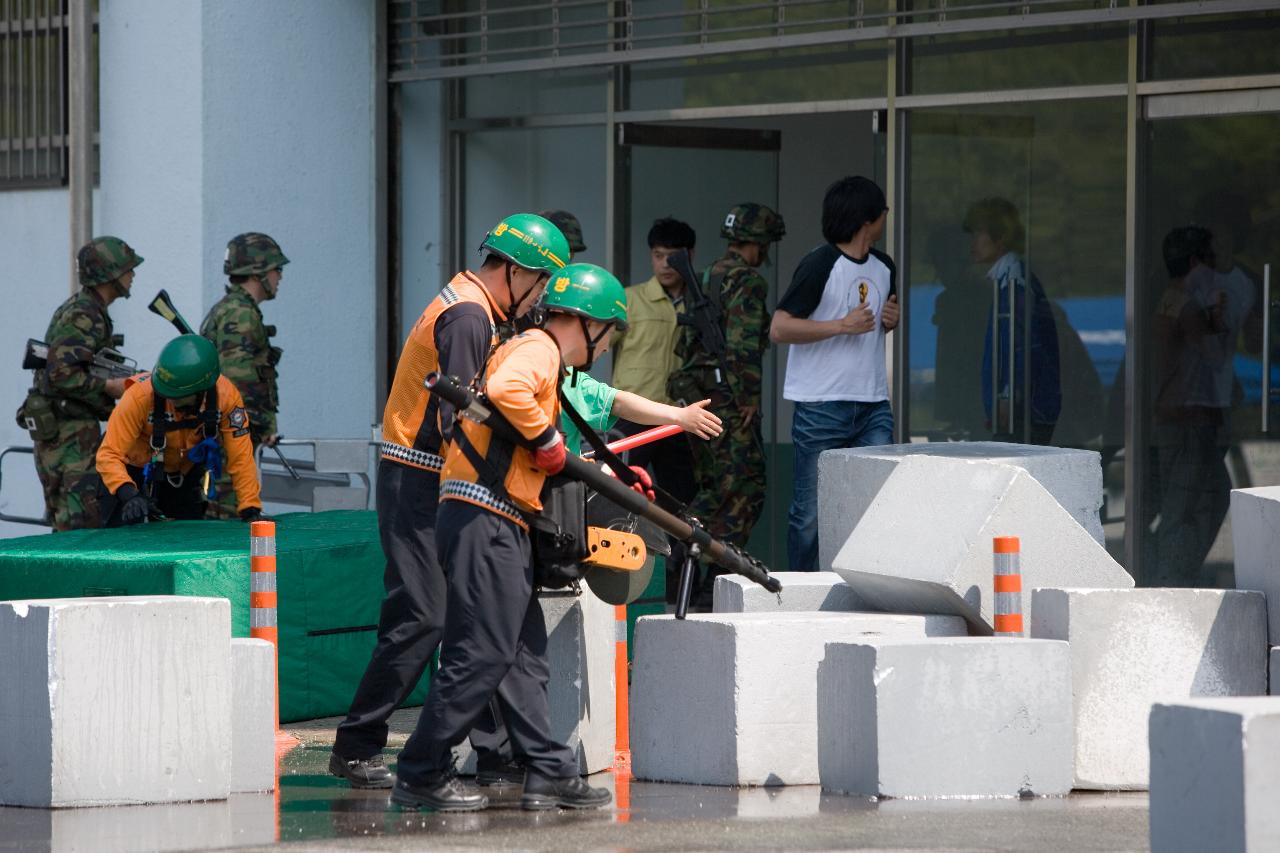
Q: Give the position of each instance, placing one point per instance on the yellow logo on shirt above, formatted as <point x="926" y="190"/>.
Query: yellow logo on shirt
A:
<point x="862" y="292"/>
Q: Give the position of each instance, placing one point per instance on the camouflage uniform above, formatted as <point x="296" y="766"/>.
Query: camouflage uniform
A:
<point x="730" y="470"/>
<point x="67" y="403"/>
<point x="248" y="359"/>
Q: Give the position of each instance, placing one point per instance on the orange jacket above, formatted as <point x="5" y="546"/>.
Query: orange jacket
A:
<point x="520" y="382"/>
<point x="411" y="428"/>
<point x="128" y="440"/>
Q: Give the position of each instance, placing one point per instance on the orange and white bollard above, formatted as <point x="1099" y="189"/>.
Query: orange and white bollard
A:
<point x="1008" y="586"/>
<point x="262" y="604"/>
<point x="622" y="717"/>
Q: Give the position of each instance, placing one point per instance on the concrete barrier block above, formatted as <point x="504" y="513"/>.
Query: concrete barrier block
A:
<point x="924" y="546"/>
<point x="582" y="691"/>
<point x="801" y="591"/>
<point x="1130" y="648"/>
<point x="957" y="717"/>
<point x="111" y="701"/>
<point x="850" y="478"/>
<point x="1215" y="780"/>
<point x="1255" y="534"/>
<point x="730" y="698"/>
<point x="253" y="716"/>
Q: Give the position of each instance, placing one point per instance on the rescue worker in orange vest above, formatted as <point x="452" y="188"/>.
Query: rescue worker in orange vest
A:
<point x="454" y="335"/>
<point x="495" y="636"/>
<point x="164" y="442"/>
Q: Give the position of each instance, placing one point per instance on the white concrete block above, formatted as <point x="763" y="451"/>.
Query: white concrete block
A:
<point x="581" y="692"/>
<point x="111" y="701"/>
<point x="801" y="591"/>
<point x="1215" y="777"/>
<point x="850" y="478"/>
<point x="253" y="716"/>
<point x="1130" y="648"/>
<point x="924" y="545"/>
<point x="956" y="717"/>
<point x="1255" y="533"/>
<point x="731" y="698"/>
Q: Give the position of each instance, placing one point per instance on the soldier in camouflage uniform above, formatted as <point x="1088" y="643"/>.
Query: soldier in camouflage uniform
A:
<point x="66" y="404"/>
<point x="254" y="264"/>
<point x="730" y="470"/>
<point x="569" y="226"/>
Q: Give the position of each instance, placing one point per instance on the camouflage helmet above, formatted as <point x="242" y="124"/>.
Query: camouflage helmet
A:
<point x="569" y="226"/>
<point x="187" y="365"/>
<point x="252" y="254"/>
<point x="588" y="291"/>
<point x="104" y="259"/>
<point x="529" y="241"/>
<point x="753" y="223"/>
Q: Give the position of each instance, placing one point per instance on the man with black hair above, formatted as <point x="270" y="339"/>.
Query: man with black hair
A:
<point x="841" y="303"/>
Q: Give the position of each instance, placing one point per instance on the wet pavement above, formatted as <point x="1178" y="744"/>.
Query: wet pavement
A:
<point x="315" y="811"/>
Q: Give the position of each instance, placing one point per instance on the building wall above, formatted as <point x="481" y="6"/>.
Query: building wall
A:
<point x="219" y="117"/>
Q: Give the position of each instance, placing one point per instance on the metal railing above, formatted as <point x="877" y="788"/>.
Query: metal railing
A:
<point x="440" y="39"/>
<point x="335" y="477"/>
<point x="33" y="93"/>
<point x="17" y="519"/>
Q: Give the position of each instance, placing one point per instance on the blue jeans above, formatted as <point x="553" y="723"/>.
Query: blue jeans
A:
<point x="814" y="428"/>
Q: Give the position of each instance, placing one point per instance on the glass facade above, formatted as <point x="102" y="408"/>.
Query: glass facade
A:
<point x="1015" y="165"/>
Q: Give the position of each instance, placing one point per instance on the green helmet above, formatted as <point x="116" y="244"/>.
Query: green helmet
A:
<point x="252" y="254"/>
<point x="187" y="365"/>
<point x="753" y="223"/>
<point x="588" y="291"/>
<point x="104" y="259"/>
<point x="529" y="241"/>
<point x="569" y="226"/>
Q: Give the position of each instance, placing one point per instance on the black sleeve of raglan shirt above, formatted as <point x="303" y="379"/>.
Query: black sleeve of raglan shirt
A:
<point x="463" y="337"/>
<point x="809" y="281"/>
<point x="893" y="270"/>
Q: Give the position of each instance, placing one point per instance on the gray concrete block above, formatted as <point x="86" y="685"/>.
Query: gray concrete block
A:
<point x="947" y="718"/>
<point x="850" y="478"/>
<point x="924" y="545"/>
<point x="1215" y="780"/>
<point x="1130" y="648"/>
<point x="111" y="701"/>
<point x="730" y="698"/>
<point x="581" y="691"/>
<point x="1255" y="534"/>
<point x="253" y="716"/>
<point x="801" y="591"/>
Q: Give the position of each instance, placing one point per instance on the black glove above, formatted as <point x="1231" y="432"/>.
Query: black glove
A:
<point x="136" y="506"/>
<point x="252" y="513"/>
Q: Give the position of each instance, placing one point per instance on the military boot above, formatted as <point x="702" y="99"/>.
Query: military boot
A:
<point x="571" y="792"/>
<point x="446" y="793"/>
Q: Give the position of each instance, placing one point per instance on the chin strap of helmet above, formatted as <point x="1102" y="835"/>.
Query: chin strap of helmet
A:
<point x="515" y="301"/>
<point x="591" y="342"/>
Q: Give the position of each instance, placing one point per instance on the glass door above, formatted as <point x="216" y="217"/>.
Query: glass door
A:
<point x="1210" y="251"/>
<point x="696" y="174"/>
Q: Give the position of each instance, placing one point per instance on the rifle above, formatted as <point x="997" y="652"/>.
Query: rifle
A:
<point x="107" y="363"/>
<point x="469" y="405"/>
<point x="163" y="306"/>
<point x="707" y="321"/>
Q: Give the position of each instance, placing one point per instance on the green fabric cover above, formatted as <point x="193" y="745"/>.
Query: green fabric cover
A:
<point x="329" y="570"/>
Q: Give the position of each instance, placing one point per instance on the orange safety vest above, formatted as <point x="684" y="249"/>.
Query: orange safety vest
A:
<point x="128" y="440"/>
<point x="411" y="433"/>
<point x="520" y="381"/>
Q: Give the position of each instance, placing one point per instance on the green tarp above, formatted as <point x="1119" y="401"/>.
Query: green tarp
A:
<point x="329" y="575"/>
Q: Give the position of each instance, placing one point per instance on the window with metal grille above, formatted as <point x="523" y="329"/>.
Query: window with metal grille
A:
<point x="33" y="92"/>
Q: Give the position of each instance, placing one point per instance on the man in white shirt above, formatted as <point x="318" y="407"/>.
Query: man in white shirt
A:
<point x="841" y="302"/>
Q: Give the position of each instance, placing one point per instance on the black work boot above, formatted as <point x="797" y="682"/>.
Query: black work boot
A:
<point x="500" y="775"/>
<point x="362" y="772"/>
<point x="446" y="794"/>
<point x="571" y="792"/>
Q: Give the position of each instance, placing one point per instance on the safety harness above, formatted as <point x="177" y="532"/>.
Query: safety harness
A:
<point x="207" y="453"/>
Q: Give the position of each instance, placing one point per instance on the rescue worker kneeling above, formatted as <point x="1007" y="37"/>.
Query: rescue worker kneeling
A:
<point x="163" y="446"/>
<point x="495" y="638"/>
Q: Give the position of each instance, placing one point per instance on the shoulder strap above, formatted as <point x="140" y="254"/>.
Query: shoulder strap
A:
<point x="713" y="285"/>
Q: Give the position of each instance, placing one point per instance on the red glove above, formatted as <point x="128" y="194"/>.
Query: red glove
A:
<point x="645" y="486"/>
<point x="550" y="456"/>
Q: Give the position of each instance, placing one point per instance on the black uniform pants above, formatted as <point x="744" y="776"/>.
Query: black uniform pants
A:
<point x="495" y="644"/>
<point x="180" y="500"/>
<point x="411" y="621"/>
